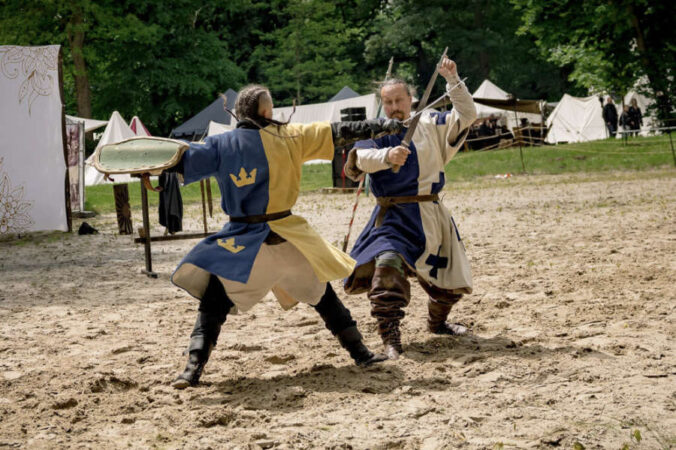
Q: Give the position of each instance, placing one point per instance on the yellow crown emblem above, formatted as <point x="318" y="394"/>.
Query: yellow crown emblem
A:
<point x="229" y="245"/>
<point x="244" y="179"/>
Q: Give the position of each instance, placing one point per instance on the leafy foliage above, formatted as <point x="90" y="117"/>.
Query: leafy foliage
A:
<point x="165" y="61"/>
<point x="609" y="46"/>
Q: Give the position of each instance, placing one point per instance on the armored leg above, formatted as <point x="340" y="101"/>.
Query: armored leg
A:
<point x="213" y="311"/>
<point x="390" y="292"/>
<point x="339" y="322"/>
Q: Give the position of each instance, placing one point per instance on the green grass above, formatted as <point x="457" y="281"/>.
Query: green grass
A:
<point x="100" y="198"/>
<point x="598" y="156"/>
<point x="592" y="157"/>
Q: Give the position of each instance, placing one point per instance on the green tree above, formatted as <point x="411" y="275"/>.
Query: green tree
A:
<point x="481" y="36"/>
<point x="608" y="45"/>
<point x="304" y="56"/>
<point x="160" y="62"/>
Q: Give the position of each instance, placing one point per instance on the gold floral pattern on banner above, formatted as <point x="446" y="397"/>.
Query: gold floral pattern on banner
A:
<point x="14" y="217"/>
<point x="34" y="65"/>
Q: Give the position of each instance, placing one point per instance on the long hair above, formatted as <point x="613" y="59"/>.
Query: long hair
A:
<point x="248" y="100"/>
<point x="246" y="107"/>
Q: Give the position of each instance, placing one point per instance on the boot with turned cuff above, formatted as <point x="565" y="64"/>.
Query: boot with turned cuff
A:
<point x="436" y="322"/>
<point x="351" y="340"/>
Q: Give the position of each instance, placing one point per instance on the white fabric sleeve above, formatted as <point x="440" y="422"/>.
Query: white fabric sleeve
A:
<point x="461" y="118"/>
<point x="372" y="160"/>
<point x="446" y="133"/>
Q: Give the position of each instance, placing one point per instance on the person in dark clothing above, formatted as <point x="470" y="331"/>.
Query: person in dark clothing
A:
<point x="625" y="121"/>
<point x="610" y="116"/>
<point x="635" y="116"/>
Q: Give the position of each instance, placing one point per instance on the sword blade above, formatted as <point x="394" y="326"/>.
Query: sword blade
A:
<point x="408" y="137"/>
<point x="422" y="103"/>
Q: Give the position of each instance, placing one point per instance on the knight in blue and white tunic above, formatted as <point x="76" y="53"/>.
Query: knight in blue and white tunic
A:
<point x="410" y="232"/>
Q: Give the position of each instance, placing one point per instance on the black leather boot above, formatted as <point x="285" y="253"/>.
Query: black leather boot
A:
<point x="339" y="322"/>
<point x="351" y="340"/>
<point x="198" y="355"/>
<point x="213" y="311"/>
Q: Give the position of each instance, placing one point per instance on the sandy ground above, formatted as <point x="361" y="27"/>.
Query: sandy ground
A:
<point x="572" y="315"/>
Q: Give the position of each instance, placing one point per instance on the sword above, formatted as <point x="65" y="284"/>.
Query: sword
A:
<point x="346" y="239"/>
<point x="408" y="137"/>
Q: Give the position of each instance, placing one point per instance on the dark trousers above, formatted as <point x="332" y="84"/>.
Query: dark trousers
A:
<point x="216" y="304"/>
<point x="213" y="311"/>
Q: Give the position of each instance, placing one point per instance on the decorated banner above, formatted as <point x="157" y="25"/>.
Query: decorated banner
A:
<point x="32" y="163"/>
<point x="74" y="144"/>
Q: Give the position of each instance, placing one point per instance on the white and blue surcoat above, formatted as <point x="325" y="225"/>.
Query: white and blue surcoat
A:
<point x="424" y="233"/>
<point x="258" y="173"/>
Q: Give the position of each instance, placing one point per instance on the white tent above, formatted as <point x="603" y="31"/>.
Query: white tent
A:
<point x="137" y="127"/>
<point x="116" y="131"/>
<point x="89" y="124"/>
<point x="218" y="128"/>
<point x="489" y="90"/>
<point x="576" y="119"/>
<point x="329" y="111"/>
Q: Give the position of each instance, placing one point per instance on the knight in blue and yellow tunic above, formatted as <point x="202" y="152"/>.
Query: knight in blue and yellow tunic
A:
<point x="410" y="232"/>
<point x="264" y="247"/>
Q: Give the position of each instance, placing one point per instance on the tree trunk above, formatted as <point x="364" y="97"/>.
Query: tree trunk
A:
<point x="76" y="38"/>
<point x="657" y="82"/>
<point x="484" y="61"/>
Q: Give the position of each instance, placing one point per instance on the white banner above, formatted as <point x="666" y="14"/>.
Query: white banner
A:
<point x="32" y="164"/>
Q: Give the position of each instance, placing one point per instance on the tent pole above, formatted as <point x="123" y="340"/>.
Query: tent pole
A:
<point x="516" y="121"/>
<point x="146" y="232"/>
<point x="204" y="206"/>
<point x="672" y="146"/>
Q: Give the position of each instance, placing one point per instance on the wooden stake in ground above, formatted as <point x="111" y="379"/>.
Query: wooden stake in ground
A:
<point x="121" y="193"/>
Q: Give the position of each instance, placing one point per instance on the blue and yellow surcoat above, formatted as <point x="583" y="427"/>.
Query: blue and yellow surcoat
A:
<point x="258" y="172"/>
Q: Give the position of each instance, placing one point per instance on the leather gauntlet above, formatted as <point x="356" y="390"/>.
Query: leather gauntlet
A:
<point x="346" y="133"/>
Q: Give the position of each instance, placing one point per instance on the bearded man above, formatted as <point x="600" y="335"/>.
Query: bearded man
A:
<point x="410" y="232"/>
<point x="264" y="247"/>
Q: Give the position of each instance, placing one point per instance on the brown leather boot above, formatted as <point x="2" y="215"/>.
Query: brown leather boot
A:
<point x="389" y="294"/>
<point x="436" y="322"/>
<point x="391" y="336"/>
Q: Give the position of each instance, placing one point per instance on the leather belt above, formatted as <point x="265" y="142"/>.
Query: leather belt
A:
<point x="260" y="218"/>
<point x="386" y="203"/>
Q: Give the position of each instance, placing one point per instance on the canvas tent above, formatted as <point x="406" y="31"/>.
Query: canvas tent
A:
<point x="89" y="124"/>
<point x="576" y="119"/>
<point x="329" y="111"/>
<point x="488" y="90"/>
<point x="218" y="128"/>
<point x="116" y="131"/>
<point x="345" y="93"/>
<point x="137" y="127"/>
<point x="198" y="125"/>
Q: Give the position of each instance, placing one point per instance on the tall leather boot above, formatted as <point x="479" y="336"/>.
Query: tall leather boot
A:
<point x="351" y="340"/>
<point x="438" y="313"/>
<point x="390" y="293"/>
<point x="199" y="351"/>
<point x="339" y="322"/>
<point x="213" y="311"/>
